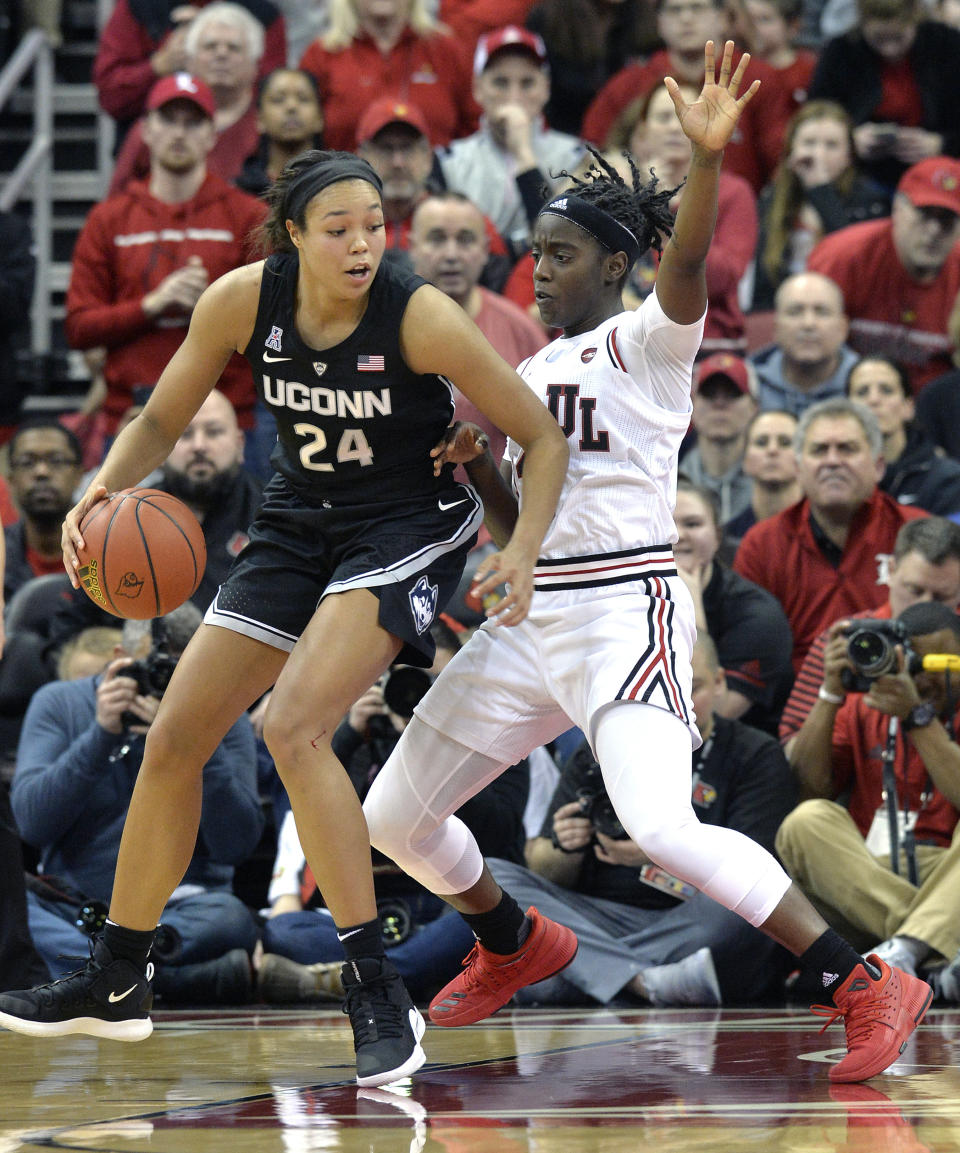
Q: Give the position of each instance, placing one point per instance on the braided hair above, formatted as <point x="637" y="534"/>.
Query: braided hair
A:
<point x="642" y="206"/>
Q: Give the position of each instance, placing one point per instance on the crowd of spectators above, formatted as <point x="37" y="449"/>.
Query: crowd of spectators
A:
<point x="820" y="478"/>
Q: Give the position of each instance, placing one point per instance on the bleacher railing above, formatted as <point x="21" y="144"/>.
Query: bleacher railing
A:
<point x="34" y="53"/>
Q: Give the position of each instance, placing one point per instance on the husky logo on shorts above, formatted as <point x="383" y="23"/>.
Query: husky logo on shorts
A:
<point x="423" y="603"/>
<point x="274" y="339"/>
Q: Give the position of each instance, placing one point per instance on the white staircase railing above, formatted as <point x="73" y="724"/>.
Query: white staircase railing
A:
<point x="36" y="164"/>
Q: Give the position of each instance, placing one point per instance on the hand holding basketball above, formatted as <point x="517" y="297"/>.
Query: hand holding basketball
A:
<point x="143" y="551"/>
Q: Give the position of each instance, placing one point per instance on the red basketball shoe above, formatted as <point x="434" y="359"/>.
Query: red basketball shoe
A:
<point x="879" y="1015"/>
<point x="489" y="980"/>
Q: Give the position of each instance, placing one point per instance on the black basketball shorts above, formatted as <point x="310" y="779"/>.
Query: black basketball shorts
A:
<point x="410" y="553"/>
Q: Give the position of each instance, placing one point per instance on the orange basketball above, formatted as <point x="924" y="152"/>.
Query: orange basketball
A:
<point x="143" y="553"/>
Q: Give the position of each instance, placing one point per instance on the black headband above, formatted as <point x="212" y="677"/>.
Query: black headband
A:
<point x="306" y="184"/>
<point x="605" y="230"/>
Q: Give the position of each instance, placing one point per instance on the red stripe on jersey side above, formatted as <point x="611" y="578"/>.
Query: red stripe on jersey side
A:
<point x="668" y="669"/>
<point x="614" y="350"/>
<point x="660" y="663"/>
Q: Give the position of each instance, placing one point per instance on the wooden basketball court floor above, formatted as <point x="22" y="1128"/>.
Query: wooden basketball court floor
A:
<point x="526" y="1081"/>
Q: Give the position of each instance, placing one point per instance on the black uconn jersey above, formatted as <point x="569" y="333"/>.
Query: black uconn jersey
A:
<point x="353" y="421"/>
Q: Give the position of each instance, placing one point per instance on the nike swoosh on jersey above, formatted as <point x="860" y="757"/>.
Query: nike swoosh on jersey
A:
<point x="115" y="997"/>
<point x="452" y="504"/>
<point x="268" y="359"/>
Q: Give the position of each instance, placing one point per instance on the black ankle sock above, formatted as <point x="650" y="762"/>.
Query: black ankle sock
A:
<point x="129" y="944"/>
<point x="364" y="940"/>
<point x="833" y="960"/>
<point x="503" y="929"/>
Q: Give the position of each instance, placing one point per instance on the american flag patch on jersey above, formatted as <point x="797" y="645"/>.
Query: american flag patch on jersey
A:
<point x="370" y="364"/>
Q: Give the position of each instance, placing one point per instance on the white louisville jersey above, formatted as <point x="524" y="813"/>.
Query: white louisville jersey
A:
<point x="621" y="394"/>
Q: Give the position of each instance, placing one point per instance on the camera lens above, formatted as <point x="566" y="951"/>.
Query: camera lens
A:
<point x="871" y="652"/>
<point x="405" y="688"/>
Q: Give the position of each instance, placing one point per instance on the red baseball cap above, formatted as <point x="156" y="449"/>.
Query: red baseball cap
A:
<point x="182" y="86"/>
<point x="933" y="183"/>
<point x="510" y="36"/>
<point x="390" y="110"/>
<point x="725" y="364"/>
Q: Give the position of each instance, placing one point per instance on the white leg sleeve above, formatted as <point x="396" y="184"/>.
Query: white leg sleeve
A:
<point x="644" y="753"/>
<point x="409" y="808"/>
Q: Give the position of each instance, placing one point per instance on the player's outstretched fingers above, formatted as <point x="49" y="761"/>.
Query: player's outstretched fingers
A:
<point x="736" y="79"/>
<point x="725" y="63"/>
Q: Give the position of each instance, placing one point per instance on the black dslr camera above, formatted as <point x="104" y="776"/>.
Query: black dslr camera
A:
<point x="154" y="671"/>
<point x="403" y="689"/>
<point x="592" y="795"/>
<point x="871" y="647"/>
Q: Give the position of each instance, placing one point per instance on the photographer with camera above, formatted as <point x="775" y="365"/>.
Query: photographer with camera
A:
<point x="924" y="566"/>
<point x="883" y="864"/>
<point x="302" y="953"/>
<point x="79" y="756"/>
<point x="644" y="933"/>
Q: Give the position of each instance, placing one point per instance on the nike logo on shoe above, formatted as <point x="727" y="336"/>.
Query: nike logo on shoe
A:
<point x="268" y="359"/>
<point x="115" y="997"/>
<point x="452" y="504"/>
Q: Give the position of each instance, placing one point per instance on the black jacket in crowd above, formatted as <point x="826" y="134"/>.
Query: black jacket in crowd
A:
<point x="923" y="477"/>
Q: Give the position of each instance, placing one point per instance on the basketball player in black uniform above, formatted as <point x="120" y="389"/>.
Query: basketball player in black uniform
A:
<point x="357" y="545"/>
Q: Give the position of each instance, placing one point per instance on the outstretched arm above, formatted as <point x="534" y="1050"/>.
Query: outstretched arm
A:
<point x="709" y="124"/>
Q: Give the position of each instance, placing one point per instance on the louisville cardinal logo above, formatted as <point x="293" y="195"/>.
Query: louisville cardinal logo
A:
<point x="130" y="586"/>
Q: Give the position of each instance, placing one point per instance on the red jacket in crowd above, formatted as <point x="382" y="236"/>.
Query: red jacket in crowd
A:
<point x="781" y="555"/>
<point x="128" y="245"/>
<point x="891" y="314"/>
<point x="122" y="72"/>
<point x="433" y="72"/>
<point x="753" y="152"/>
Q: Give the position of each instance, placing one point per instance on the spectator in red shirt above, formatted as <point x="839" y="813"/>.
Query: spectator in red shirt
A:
<point x="900" y="276"/>
<point x="224" y="45"/>
<point x="144" y="40"/>
<point x="821" y="557"/>
<point x="377" y="48"/>
<point x="684" y="25"/>
<point x="925" y="566"/>
<point x="769" y="30"/>
<point x="143" y="258"/>
<point x="907" y="896"/>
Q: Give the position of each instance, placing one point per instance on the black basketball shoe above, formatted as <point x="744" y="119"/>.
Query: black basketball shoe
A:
<point x="106" y="998"/>
<point x="386" y="1025"/>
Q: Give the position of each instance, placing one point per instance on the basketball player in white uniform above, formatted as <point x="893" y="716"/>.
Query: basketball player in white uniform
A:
<point x="607" y="644"/>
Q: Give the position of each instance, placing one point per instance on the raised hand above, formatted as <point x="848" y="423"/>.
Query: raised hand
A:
<point x="709" y="122"/>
